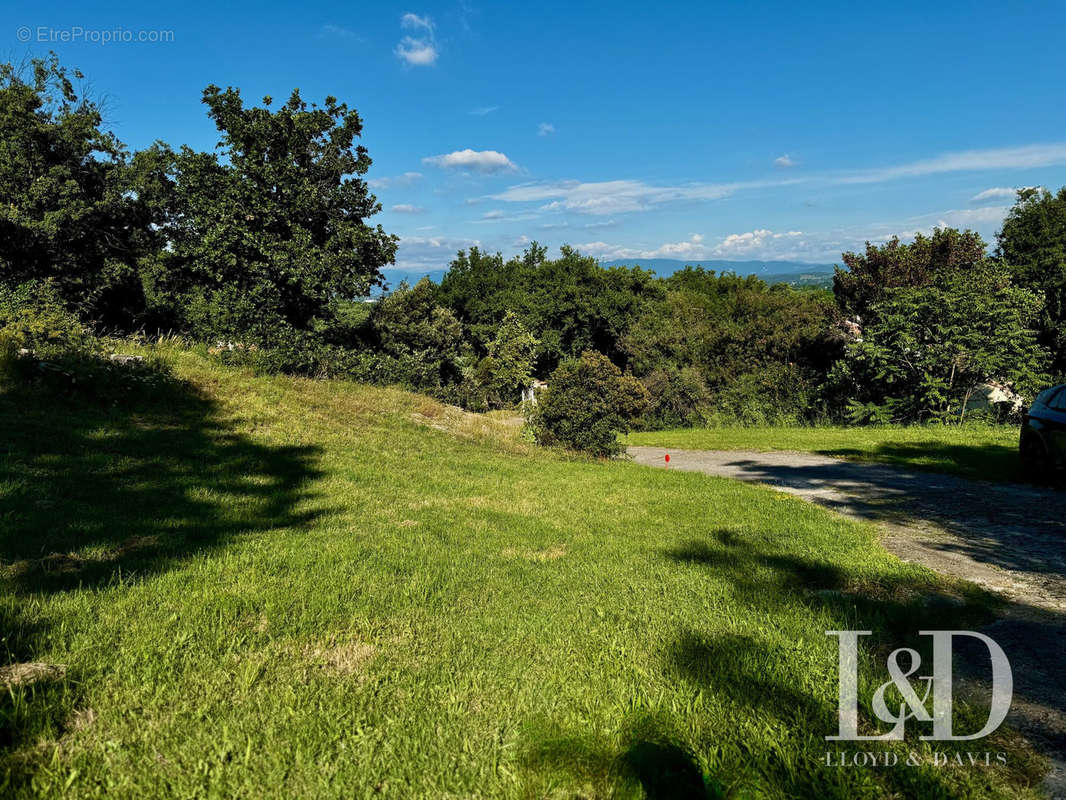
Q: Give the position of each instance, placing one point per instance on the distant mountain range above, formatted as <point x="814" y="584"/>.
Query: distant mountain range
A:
<point x="664" y="267"/>
<point x="794" y="273"/>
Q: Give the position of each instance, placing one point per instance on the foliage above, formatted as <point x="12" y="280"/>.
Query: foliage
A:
<point x="747" y="348"/>
<point x="570" y="304"/>
<point x="928" y="347"/>
<point x="43" y="343"/>
<point x="776" y="394"/>
<point x="508" y="368"/>
<point x="410" y="326"/>
<point x="66" y="214"/>
<point x="268" y="232"/>
<point x="586" y="404"/>
<point x="677" y="396"/>
<point x="895" y="265"/>
<point x="1033" y="244"/>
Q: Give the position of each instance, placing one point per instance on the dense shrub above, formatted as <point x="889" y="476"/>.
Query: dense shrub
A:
<point x="570" y="304"/>
<point x="677" y="398"/>
<point x="925" y="348"/>
<point x="44" y="344"/>
<point x="587" y="403"/>
<point x="777" y="394"/>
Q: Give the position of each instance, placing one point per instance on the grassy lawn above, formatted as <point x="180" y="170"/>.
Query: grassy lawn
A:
<point x="270" y="587"/>
<point x="989" y="452"/>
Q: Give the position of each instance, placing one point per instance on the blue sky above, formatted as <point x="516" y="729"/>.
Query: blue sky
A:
<point x="633" y="130"/>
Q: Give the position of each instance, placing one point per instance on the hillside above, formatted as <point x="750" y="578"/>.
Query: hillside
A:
<point x="278" y="587"/>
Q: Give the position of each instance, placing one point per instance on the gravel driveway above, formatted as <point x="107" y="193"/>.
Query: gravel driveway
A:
<point x="1009" y="538"/>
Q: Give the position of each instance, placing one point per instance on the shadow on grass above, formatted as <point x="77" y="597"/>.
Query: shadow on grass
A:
<point x="94" y="495"/>
<point x="756" y="676"/>
<point x="648" y="762"/>
<point x="988" y="462"/>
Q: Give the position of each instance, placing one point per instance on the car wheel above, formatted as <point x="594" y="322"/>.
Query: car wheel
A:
<point x="1036" y="464"/>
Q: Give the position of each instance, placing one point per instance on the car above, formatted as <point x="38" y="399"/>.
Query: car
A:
<point x="1042" y="444"/>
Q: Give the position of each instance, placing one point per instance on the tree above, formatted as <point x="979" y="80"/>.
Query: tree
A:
<point x="710" y="336"/>
<point x="928" y="347"/>
<point x="1033" y="244"/>
<point x="266" y="237"/>
<point x="587" y="403"/>
<point x="410" y="326"/>
<point x="508" y="368"/>
<point x="65" y="213"/>
<point x="570" y="304"/>
<point x="895" y="265"/>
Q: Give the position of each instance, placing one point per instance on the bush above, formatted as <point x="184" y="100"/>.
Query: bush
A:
<point x="778" y="394"/>
<point x="587" y="403"/>
<point x="679" y="398"/>
<point x="43" y="344"/>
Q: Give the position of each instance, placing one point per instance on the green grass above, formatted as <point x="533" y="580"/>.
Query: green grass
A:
<point x="988" y="452"/>
<point x="270" y="587"/>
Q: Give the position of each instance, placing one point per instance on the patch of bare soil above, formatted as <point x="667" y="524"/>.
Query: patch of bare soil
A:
<point x="29" y="672"/>
<point x="341" y="659"/>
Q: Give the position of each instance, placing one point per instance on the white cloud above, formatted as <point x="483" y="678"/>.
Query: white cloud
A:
<point x="407" y="208"/>
<point x="753" y="243"/>
<point x="420" y="49"/>
<point x="415" y="22"/>
<point x="492" y="215"/>
<point x="1029" y="157"/>
<point x="429" y="252"/>
<point x="338" y="32"/>
<point x="608" y="251"/>
<point x="784" y="160"/>
<point x="484" y="161"/>
<point x="692" y="247"/>
<point x="824" y="247"/>
<point x="545" y="129"/>
<point x="482" y="111"/>
<point x="969" y="217"/>
<point x="760" y="244"/>
<point x="1000" y="193"/>
<point x="627" y="196"/>
<point x="406" y="179"/>
<point x="995" y="193"/>
<point x="619" y="197"/>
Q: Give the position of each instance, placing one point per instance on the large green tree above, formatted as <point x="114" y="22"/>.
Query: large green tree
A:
<point x="570" y="304"/>
<point x="894" y="265"/>
<point x="408" y="324"/>
<point x="1033" y="244"/>
<point x="66" y="212"/>
<point x="927" y="347"/>
<point x="265" y="233"/>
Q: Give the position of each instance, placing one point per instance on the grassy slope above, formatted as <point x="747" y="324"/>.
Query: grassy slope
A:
<point x="281" y="588"/>
<point x="989" y="452"/>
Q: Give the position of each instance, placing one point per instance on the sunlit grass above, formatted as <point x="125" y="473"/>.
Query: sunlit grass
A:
<point x="271" y="587"/>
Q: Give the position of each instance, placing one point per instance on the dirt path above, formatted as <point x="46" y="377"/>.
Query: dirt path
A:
<point x="1009" y="538"/>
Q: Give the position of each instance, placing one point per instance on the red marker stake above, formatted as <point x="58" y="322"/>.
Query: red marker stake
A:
<point x="668" y="461"/>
